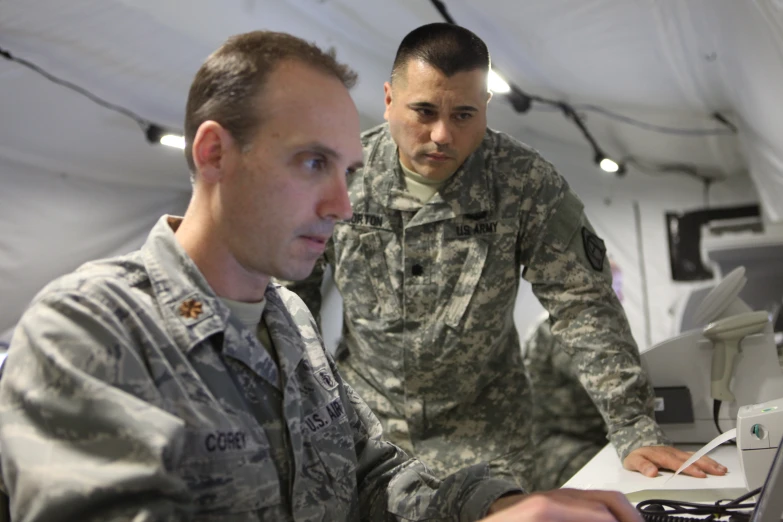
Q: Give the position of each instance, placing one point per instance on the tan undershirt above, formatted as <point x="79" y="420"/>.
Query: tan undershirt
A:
<point x="420" y="187"/>
<point x="249" y="314"/>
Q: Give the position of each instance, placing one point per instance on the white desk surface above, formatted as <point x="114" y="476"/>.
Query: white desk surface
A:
<point x="605" y="471"/>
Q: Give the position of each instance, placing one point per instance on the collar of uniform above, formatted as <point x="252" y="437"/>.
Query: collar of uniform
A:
<point x="466" y="192"/>
<point x="248" y="350"/>
<point x="384" y="175"/>
<point x="290" y="325"/>
<point x="192" y="310"/>
<point x="469" y="190"/>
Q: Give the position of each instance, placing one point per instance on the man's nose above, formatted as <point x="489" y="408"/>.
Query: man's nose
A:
<point x="335" y="204"/>
<point x="441" y="133"/>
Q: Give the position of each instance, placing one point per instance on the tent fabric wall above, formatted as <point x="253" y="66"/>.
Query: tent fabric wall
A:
<point x="52" y="223"/>
<point x="730" y="54"/>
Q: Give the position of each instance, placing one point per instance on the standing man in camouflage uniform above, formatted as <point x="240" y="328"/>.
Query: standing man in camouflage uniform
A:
<point x="176" y="383"/>
<point x="446" y="212"/>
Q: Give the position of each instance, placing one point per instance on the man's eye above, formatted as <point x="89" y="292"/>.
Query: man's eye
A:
<point x="315" y="164"/>
<point x="425" y="112"/>
<point x="463" y="116"/>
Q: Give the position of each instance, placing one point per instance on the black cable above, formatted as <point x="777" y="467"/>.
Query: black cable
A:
<point x="746" y="496"/>
<point x="715" y="412"/>
<point x="144" y="123"/>
<point x="663" y="517"/>
<point x="721" y="118"/>
<point x="662" y="129"/>
<point x="441" y="7"/>
<point x="655" y="510"/>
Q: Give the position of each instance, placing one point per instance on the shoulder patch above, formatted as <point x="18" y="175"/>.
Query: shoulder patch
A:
<point x="325" y="377"/>
<point x="595" y="249"/>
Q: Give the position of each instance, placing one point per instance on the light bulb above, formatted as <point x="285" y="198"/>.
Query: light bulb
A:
<point x="496" y="83"/>
<point x="173" y="140"/>
<point x="609" y="165"/>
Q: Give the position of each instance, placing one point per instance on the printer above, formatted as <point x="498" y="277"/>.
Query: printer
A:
<point x="759" y="433"/>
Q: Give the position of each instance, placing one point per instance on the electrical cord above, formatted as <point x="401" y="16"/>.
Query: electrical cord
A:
<point x="144" y="123"/>
<point x="655" y="510"/>
<point x="72" y="86"/>
<point x="715" y="414"/>
<point x="730" y="128"/>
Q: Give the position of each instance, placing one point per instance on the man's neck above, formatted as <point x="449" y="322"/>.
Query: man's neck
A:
<point x="224" y="273"/>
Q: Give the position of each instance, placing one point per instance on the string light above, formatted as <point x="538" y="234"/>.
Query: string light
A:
<point x="154" y="133"/>
<point x="497" y="84"/>
<point x="157" y="134"/>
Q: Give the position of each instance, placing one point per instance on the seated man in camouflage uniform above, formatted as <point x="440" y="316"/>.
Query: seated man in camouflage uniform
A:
<point x="177" y="383"/>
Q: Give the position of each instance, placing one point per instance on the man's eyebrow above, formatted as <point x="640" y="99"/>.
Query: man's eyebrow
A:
<point x="320" y="148"/>
<point x="428" y="105"/>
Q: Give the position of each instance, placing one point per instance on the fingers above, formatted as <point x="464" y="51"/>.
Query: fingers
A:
<point x="666" y="457"/>
<point x="712" y="467"/>
<point x="701" y="467"/>
<point x="617" y="504"/>
<point x="637" y="462"/>
<point x="570" y="504"/>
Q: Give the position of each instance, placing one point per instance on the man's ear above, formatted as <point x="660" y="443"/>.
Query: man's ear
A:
<point x="489" y="96"/>
<point x="213" y="146"/>
<point x="387" y="99"/>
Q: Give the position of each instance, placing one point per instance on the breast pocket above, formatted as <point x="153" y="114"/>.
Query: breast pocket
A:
<point x="489" y="264"/>
<point x="229" y="472"/>
<point x="472" y="269"/>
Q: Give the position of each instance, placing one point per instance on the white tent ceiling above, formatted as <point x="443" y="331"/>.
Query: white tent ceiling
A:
<point x="670" y="63"/>
<point x="666" y="62"/>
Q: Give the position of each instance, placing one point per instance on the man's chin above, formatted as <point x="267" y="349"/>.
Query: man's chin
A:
<point x="296" y="271"/>
<point x="435" y="173"/>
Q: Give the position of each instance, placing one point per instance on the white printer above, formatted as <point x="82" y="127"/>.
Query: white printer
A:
<point x="759" y="433"/>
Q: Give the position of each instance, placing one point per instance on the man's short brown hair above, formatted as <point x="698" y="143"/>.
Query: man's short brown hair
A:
<point x="447" y="47"/>
<point x="231" y="79"/>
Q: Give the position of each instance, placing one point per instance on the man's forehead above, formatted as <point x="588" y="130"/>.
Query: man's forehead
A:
<point x="422" y="78"/>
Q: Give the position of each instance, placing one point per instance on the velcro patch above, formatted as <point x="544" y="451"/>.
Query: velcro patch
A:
<point x="595" y="249"/>
<point x="464" y="228"/>
<point x="323" y="417"/>
<point x="368" y="220"/>
<point x="325" y="377"/>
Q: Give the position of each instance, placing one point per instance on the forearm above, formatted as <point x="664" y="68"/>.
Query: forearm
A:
<point x="595" y="333"/>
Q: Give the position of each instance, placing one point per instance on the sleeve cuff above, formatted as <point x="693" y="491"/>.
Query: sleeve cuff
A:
<point x="644" y="432"/>
<point x="483" y="495"/>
